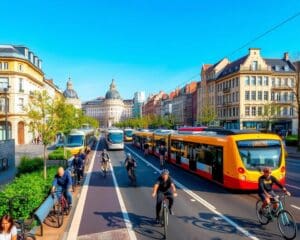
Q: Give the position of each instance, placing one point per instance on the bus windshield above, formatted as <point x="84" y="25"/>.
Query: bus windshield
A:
<point x="75" y="141"/>
<point x="128" y="133"/>
<point x="257" y="154"/>
<point x="115" y="137"/>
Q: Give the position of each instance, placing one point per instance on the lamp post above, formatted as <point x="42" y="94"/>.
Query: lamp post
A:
<point x="6" y="111"/>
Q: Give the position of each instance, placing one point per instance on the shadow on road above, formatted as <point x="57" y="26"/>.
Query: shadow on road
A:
<point x="215" y="223"/>
<point x="141" y="224"/>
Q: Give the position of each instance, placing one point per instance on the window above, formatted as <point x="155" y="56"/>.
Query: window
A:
<point x="3" y="83"/>
<point x="5" y="65"/>
<point x="247" y="111"/>
<point x="266" y="95"/>
<point x="278" y="111"/>
<point x="253" y="95"/>
<point x="237" y="82"/>
<point x="285" y="97"/>
<point x="292" y="82"/>
<point x="266" y="81"/>
<point x="247" y="81"/>
<point x="278" y="97"/>
<point x="259" y="81"/>
<point x="20" y="67"/>
<point x="272" y="96"/>
<point x="259" y="95"/>
<point x="21" y="85"/>
<point x="0" y="65"/>
<point x="2" y="105"/>
<point x="237" y="96"/>
<point x="253" y="80"/>
<point x="273" y="82"/>
<point x="233" y="111"/>
<point x="233" y="97"/>
<point x="292" y="96"/>
<point x="254" y="66"/>
<point x="278" y="81"/>
<point x="21" y="104"/>
<point x="259" y="111"/>
<point x="285" y="111"/>
<point x="286" y="82"/>
<point x="253" y="111"/>
<point x="291" y="111"/>
<point x="247" y="95"/>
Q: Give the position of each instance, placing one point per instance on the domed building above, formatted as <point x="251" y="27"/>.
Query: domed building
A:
<point x="71" y="95"/>
<point x="111" y="109"/>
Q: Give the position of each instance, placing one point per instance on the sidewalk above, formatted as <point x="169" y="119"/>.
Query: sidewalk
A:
<point x="292" y="152"/>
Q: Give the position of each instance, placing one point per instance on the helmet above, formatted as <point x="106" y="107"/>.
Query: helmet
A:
<point x="129" y="155"/>
<point x="165" y="172"/>
<point x="104" y="150"/>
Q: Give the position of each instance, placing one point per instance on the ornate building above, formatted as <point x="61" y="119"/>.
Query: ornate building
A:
<point x="71" y="95"/>
<point x="20" y="75"/>
<point x="109" y="110"/>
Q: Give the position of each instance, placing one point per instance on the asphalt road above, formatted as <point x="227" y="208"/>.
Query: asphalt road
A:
<point x="203" y="210"/>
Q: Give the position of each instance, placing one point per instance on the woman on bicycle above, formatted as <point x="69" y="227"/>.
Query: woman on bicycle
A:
<point x="8" y="230"/>
<point x="265" y="187"/>
<point x="164" y="187"/>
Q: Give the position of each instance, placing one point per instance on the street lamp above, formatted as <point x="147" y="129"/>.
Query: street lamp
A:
<point x="6" y="111"/>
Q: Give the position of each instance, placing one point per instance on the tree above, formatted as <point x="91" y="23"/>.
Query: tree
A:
<point x="207" y="114"/>
<point x="41" y="111"/>
<point x="269" y="113"/>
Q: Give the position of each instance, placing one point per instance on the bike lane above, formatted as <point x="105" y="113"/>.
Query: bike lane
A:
<point x="101" y="216"/>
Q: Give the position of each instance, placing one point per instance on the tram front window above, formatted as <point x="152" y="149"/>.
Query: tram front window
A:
<point x="257" y="154"/>
<point x="75" y="141"/>
<point x="115" y="137"/>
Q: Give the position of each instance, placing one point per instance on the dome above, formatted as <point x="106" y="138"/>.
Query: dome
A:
<point x="112" y="93"/>
<point x="70" y="92"/>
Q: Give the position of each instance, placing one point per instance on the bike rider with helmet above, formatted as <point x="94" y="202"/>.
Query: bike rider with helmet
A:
<point x="164" y="187"/>
<point x="104" y="160"/>
<point x="130" y="164"/>
<point x="265" y="188"/>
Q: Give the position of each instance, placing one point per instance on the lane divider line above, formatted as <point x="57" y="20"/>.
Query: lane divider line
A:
<point x="200" y="200"/>
<point x="73" y="231"/>
<point x="298" y="188"/>
<point x="294" y="206"/>
<point x="126" y="218"/>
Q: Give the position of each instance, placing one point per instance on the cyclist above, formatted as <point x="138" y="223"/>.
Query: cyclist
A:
<point x="164" y="187"/>
<point x="77" y="164"/>
<point x="62" y="183"/>
<point x="265" y="188"/>
<point x="162" y="154"/>
<point x="130" y="164"/>
<point x="146" y="148"/>
<point x="104" y="160"/>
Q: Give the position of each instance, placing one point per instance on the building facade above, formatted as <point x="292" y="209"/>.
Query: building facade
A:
<point x="254" y="93"/>
<point x="111" y="109"/>
<point x="153" y="104"/>
<point x="20" y="75"/>
<point x="138" y="101"/>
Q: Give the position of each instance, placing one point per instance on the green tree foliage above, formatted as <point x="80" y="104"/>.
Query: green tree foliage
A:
<point x="207" y="114"/>
<point x="42" y="114"/>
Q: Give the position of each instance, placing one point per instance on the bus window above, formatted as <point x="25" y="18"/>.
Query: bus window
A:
<point x="257" y="154"/>
<point x="115" y="137"/>
<point x="75" y="141"/>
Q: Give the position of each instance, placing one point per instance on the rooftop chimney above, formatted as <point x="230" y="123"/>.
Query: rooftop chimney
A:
<point x="286" y="56"/>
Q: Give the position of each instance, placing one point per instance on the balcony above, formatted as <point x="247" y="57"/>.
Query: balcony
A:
<point x="281" y="87"/>
<point x="282" y="102"/>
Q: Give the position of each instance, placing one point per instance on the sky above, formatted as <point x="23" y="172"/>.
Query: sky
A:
<point x="145" y="45"/>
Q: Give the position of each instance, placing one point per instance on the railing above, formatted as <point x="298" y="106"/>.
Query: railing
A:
<point x="282" y="87"/>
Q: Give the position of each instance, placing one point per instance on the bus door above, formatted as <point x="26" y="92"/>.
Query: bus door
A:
<point x="217" y="165"/>
<point x="192" y="157"/>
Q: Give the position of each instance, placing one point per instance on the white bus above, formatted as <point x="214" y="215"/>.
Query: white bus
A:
<point x="115" y="138"/>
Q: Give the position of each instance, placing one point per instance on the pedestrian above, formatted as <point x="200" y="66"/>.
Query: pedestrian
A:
<point x="8" y="230"/>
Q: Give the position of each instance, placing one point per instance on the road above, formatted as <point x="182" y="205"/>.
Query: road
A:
<point x="203" y="210"/>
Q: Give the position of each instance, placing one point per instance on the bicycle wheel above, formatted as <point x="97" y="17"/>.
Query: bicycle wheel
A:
<point x="58" y="211"/>
<point x="287" y="225"/>
<point x="262" y="218"/>
<point x="165" y="213"/>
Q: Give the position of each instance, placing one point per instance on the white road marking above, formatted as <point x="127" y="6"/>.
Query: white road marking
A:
<point x="122" y="205"/>
<point x="193" y="200"/>
<point x="295" y="207"/>
<point x="292" y="186"/>
<point x="201" y="200"/>
<point x="73" y="231"/>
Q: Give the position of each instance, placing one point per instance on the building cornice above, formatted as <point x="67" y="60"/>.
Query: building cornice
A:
<point x="9" y="73"/>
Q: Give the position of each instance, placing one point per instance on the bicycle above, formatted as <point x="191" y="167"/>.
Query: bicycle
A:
<point x="162" y="159"/>
<point x="132" y="176"/>
<point x="285" y="221"/>
<point x="164" y="216"/>
<point x="61" y="207"/>
<point x="104" y="168"/>
<point x="23" y="230"/>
